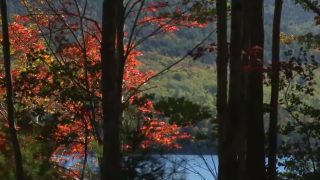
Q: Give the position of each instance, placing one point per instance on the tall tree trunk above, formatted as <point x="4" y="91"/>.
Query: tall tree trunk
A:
<point x="120" y="57"/>
<point x="222" y="80"/>
<point x="255" y="161"/>
<point x="246" y="44"/>
<point x="234" y="133"/>
<point x="9" y="87"/>
<point x="273" y="126"/>
<point x="111" y="161"/>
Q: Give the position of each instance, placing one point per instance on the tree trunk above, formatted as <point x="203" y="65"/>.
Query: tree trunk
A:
<point x="222" y="80"/>
<point x="273" y="126"/>
<point x="9" y="87"/>
<point x="120" y="57"/>
<point x="246" y="44"/>
<point x="111" y="160"/>
<point x="234" y="133"/>
<point x="255" y="160"/>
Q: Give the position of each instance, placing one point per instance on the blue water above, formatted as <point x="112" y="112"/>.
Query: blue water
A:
<point x="203" y="167"/>
<point x="198" y="167"/>
<point x="194" y="167"/>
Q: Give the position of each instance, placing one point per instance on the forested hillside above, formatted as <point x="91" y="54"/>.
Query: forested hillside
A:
<point x="196" y="80"/>
<point x="295" y="21"/>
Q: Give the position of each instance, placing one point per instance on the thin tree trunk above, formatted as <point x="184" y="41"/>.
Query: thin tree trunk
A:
<point x="273" y="126"/>
<point x="222" y="80"/>
<point x="111" y="161"/>
<point x="9" y="87"/>
<point x="120" y="57"/>
<point x="234" y="129"/>
<point x="255" y="161"/>
<point x="246" y="44"/>
<point x="241" y="133"/>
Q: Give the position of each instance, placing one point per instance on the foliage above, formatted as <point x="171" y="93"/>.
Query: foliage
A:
<point x="56" y="80"/>
<point x="298" y="155"/>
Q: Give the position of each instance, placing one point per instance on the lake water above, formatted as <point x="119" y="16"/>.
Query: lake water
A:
<point x="197" y="167"/>
<point x="200" y="167"/>
<point x="194" y="167"/>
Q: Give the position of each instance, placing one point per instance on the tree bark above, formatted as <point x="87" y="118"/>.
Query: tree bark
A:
<point x="255" y="160"/>
<point x="273" y="126"/>
<point x="234" y="127"/>
<point x="9" y="87"/>
<point x="111" y="160"/>
<point x="246" y="44"/>
<point x="222" y="80"/>
<point x="120" y="58"/>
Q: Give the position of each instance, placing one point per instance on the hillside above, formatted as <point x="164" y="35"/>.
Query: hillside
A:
<point x="196" y="80"/>
<point x="295" y="21"/>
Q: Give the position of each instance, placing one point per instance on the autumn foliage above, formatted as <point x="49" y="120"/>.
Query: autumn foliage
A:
<point x="57" y="79"/>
